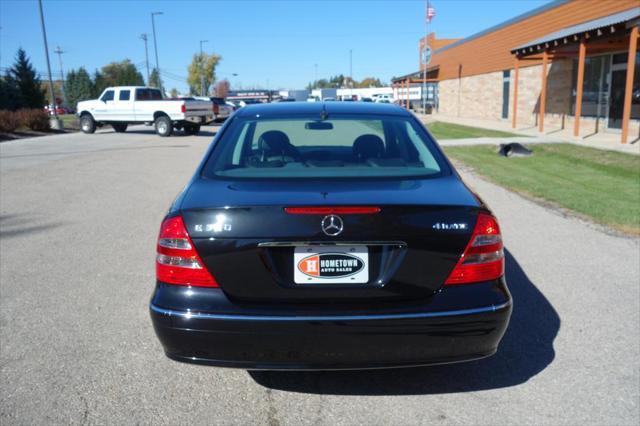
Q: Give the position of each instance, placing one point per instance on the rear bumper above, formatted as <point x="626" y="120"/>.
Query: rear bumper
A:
<point x="327" y="342"/>
<point x="200" y="119"/>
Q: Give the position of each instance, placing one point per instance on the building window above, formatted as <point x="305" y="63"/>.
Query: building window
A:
<point x="604" y="87"/>
<point x="595" y="90"/>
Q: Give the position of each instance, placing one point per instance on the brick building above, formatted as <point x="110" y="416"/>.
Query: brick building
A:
<point x="567" y="59"/>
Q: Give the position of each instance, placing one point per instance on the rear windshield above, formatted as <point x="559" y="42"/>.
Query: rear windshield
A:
<point x="218" y="101"/>
<point x="338" y="147"/>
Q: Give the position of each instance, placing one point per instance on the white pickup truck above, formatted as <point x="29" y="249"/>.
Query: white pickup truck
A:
<point x="124" y="105"/>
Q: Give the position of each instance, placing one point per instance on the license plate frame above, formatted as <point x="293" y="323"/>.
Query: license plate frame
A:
<point x="334" y="264"/>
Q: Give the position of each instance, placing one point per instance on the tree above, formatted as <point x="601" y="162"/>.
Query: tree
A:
<point x="99" y="84"/>
<point x="27" y="81"/>
<point x="10" y="97"/>
<point x="173" y="93"/>
<point x="154" y="79"/>
<point x="122" y="74"/>
<point x="78" y="87"/>
<point x="369" y="82"/>
<point x="221" y="89"/>
<point x="202" y="65"/>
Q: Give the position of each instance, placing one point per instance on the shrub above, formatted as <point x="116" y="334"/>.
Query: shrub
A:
<point x="34" y="119"/>
<point x="9" y="121"/>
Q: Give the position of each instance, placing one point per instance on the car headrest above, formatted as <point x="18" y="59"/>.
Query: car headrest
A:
<point x="275" y="141"/>
<point x="368" y="146"/>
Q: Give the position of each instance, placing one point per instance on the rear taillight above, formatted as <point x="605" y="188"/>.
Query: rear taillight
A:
<point x="177" y="261"/>
<point x="183" y="108"/>
<point x="483" y="258"/>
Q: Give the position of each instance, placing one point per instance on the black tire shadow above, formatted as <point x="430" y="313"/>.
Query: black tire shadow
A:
<point x="526" y="349"/>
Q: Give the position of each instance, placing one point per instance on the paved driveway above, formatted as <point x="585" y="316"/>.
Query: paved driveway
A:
<point x="78" y="221"/>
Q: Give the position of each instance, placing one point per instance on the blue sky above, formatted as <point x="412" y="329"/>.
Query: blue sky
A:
<point x="274" y="44"/>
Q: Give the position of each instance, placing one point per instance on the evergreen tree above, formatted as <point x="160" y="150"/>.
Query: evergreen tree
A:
<point x="154" y="78"/>
<point x="99" y="84"/>
<point x="78" y="87"/>
<point x="27" y="81"/>
<point x="10" y="97"/>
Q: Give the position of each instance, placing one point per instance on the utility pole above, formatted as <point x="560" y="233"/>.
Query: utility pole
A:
<point x="59" y="52"/>
<point x="146" y="56"/>
<point x="55" y="122"/>
<point x="202" y="89"/>
<point x="155" y="47"/>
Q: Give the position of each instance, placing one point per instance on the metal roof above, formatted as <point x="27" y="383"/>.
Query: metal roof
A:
<point x="605" y="21"/>
<point x="417" y="74"/>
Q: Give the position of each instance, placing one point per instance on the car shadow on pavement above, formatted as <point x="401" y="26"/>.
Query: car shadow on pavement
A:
<point x="152" y="131"/>
<point x="526" y="350"/>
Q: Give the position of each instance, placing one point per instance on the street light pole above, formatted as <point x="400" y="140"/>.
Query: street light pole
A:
<point x="60" y="52"/>
<point x="202" y="91"/>
<point x="155" y="47"/>
<point x="146" y="56"/>
<point x="56" y="124"/>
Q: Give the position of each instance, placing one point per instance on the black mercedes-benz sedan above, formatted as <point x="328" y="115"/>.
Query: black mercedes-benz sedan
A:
<point x="328" y="236"/>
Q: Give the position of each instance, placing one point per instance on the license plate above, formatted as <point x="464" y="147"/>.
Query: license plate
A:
<point x="331" y="265"/>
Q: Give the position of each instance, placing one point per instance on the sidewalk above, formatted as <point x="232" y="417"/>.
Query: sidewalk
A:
<point x="606" y="141"/>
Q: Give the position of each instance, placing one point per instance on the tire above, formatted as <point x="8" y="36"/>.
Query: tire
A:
<point x="119" y="127"/>
<point x="87" y="124"/>
<point x="192" y="130"/>
<point x="163" y="125"/>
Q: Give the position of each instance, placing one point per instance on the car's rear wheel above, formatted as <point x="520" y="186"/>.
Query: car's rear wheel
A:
<point x="192" y="129"/>
<point x="163" y="125"/>
<point x="119" y="127"/>
<point x="87" y="124"/>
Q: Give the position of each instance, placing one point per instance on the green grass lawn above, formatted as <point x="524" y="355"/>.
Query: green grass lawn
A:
<point x="70" y="121"/>
<point x="443" y="130"/>
<point x="601" y="185"/>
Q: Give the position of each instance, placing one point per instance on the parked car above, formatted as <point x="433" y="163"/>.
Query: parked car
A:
<point x="221" y="111"/>
<point x="385" y="98"/>
<point x="124" y="105"/>
<point x="313" y="99"/>
<point x="329" y="99"/>
<point x="59" y="109"/>
<point x="328" y="236"/>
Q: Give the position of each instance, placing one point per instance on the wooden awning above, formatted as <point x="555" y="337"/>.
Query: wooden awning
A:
<point x="607" y="26"/>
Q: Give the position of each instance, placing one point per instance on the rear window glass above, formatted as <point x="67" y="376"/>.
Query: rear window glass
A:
<point x="148" y="95"/>
<point x="124" y="95"/>
<point x="337" y="147"/>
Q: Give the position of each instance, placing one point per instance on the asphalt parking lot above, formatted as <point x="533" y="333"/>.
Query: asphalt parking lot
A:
<point x="78" y="221"/>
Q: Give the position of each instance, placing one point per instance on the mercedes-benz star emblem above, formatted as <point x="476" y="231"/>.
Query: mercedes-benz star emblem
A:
<point x="332" y="225"/>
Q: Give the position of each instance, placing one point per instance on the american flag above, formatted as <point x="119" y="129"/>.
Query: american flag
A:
<point x="431" y="12"/>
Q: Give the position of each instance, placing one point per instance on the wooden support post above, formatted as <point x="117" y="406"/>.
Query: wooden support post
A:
<point x="543" y="92"/>
<point x="514" y="113"/>
<point x="628" y="89"/>
<point x="578" y="111"/>
<point x="408" y="86"/>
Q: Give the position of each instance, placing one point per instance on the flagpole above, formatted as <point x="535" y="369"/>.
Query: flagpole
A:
<point x="422" y="59"/>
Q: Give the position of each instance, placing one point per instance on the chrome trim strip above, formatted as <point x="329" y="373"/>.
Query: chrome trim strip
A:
<point x="200" y="315"/>
<point x="331" y="243"/>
